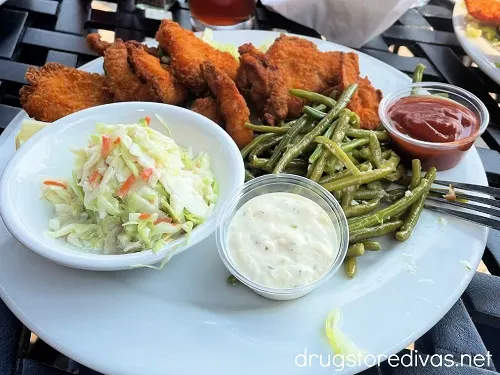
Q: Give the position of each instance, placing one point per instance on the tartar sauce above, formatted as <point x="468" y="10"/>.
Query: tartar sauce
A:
<point x="282" y="240"/>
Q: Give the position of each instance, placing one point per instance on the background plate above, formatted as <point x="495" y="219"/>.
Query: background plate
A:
<point x="186" y="319"/>
<point x="479" y="49"/>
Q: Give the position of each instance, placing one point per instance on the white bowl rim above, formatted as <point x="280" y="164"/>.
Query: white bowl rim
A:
<point x="102" y="262"/>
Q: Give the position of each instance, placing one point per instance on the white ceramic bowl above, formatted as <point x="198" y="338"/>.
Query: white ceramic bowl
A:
<point x="47" y="154"/>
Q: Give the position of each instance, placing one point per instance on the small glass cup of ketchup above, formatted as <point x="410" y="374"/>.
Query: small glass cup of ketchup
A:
<point x="434" y="122"/>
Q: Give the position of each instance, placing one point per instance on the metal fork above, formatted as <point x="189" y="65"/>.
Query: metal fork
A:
<point x="489" y="205"/>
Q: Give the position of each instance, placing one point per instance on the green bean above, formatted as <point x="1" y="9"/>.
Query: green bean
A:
<point x="351" y="145"/>
<point x="386" y="154"/>
<point x="343" y="125"/>
<point x="319" y="148"/>
<point x="350" y="266"/>
<point x="318" y="115"/>
<point x="289" y="136"/>
<point x="416" y="209"/>
<point x="264" y="146"/>
<point x="397" y="207"/>
<point x="231" y="280"/>
<point x="320" y="128"/>
<point x="248" y="176"/>
<point x="333" y="94"/>
<point x="336" y="151"/>
<point x="418" y="73"/>
<point x="337" y="195"/>
<point x="377" y="231"/>
<point x="267" y="129"/>
<point x="335" y="176"/>
<point x="382" y="135"/>
<point x="394" y="195"/>
<point x="262" y="163"/>
<point x="375" y="185"/>
<point x="375" y="151"/>
<point x="365" y="194"/>
<point x="392" y="162"/>
<point x="355" y="161"/>
<point x="416" y="169"/>
<point x="318" y="168"/>
<point x="354" y="153"/>
<point x="249" y="147"/>
<point x="372" y="245"/>
<point x="356" y="250"/>
<point x="399" y="173"/>
<point x="365" y="166"/>
<point x="312" y="124"/>
<point x="313" y="97"/>
<point x="362" y="178"/>
<point x="338" y="134"/>
<point x="355" y="120"/>
<point x="365" y="153"/>
<point x="348" y="196"/>
<point x="361" y="209"/>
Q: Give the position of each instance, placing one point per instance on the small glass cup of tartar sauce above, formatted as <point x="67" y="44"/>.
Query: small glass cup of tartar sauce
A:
<point x="282" y="235"/>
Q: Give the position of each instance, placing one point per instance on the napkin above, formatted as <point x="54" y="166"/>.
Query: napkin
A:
<point x="348" y="22"/>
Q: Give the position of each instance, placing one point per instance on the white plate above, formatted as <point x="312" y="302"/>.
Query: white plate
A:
<point x="187" y="320"/>
<point x="47" y="155"/>
<point x="479" y="49"/>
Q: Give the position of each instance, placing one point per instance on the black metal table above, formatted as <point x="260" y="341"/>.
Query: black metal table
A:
<point x="33" y="32"/>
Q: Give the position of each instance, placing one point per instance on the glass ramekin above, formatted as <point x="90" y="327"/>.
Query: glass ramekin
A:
<point x="291" y="184"/>
<point x="443" y="156"/>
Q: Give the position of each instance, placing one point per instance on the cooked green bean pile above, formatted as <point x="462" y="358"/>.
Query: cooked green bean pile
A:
<point x="355" y="165"/>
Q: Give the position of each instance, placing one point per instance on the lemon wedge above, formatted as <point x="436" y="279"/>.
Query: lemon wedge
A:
<point x="28" y="129"/>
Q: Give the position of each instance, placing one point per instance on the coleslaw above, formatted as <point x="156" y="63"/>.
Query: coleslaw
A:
<point x="476" y="29"/>
<point x="133" y="188"/>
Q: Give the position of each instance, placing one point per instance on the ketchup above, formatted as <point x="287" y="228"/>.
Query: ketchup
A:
<point x="433" y="119"/>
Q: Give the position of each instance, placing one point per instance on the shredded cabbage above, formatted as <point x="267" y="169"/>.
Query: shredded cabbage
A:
<point x="475" y="29"/>
<point x="208" y="37"/>
<point x="338" y="341"/>
<point x="132" y="188"/>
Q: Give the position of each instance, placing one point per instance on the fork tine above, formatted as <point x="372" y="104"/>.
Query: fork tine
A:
<point x="474" y="198"/>
<point x="472" y="207"/>
<point x="477" y="188"/>
<point x="476" y="219"/>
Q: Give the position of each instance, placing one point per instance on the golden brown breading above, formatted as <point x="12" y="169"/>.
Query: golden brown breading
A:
<point x="97" y="44"/>
<point x="366" y="103"/>
<point x="187" y="52"/>
<point x="151" y="71"/>
<point x="262" y="84"/>
<point x="303" y="66"/>
<point x="349" y="70"/>
<point x="208" y="108"/>
<point x="487" y="11"/>
<point x="366" y="99"/>
<point x="151" y="50"/>
<point x="55" y="91"/>
<point x="232" y="106"/>
<point x="123" y="83"/>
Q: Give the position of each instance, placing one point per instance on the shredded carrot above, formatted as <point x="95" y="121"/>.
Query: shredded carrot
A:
<point x="123" y="190"/>
<point x="106" y="146"/>
<point x="117" y="140"/>
<point x="163" y="220"/>
<point x="146" y="173"/>
<point x="55" y="183"/>
<point x="144" y="216"/>
<point x="148" y="120"/>
<point x="95" y="176"/>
